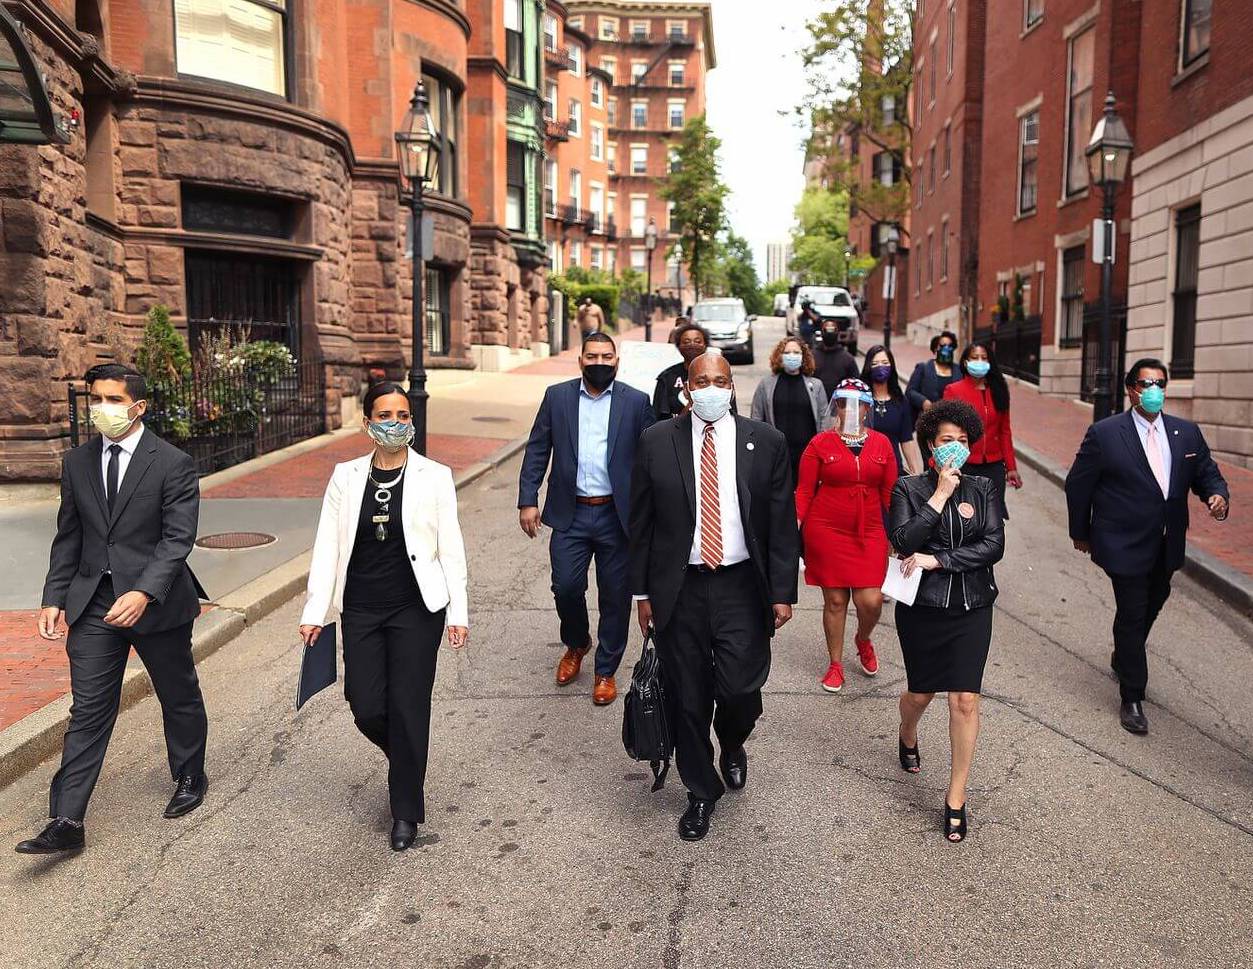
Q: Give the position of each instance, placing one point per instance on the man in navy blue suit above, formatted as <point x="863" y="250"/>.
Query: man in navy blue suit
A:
<point x="1127" y="494"/>
<point x="589" y="428"/>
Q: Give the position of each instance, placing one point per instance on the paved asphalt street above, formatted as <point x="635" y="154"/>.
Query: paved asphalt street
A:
<point x="1089" y="847"/>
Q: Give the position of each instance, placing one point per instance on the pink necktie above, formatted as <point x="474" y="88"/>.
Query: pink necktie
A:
<point x="1154" y="451"/>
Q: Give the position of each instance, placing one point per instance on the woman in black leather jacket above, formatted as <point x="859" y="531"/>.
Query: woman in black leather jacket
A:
<point x="951" y="527"/>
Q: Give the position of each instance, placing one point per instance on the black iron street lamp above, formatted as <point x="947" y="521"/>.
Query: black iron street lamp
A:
<point x="848" y="254"/>
<point x="650" y="244"/>
<point x="893" y="240"/>
<point x="1109" y="156"/>
<point x="418" y="151"/>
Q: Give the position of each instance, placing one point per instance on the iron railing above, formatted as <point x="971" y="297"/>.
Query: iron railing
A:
<point x="1092" y="352"/>
<point x="227" y="417"/>
<point x="1017" y="346"/>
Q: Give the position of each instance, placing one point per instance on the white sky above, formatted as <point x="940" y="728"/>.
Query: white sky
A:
<point x="759" y="73"/>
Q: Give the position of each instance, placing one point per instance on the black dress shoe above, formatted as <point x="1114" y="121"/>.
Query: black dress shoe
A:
<point x="734" y="767"/>
<point x="58" y="836"/>
<point x="694" y="824"/>
<point x="188" y="796"/>
<point x="1131" y="716"/>
<point x="403" y="833"/>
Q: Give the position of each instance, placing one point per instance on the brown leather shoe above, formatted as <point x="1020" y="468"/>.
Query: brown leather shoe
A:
<point x="605" y="691"/>
<point x="568" y="668"/>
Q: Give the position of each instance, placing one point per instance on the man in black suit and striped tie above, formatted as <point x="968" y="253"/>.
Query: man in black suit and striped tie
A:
<point x="714" y="553"/>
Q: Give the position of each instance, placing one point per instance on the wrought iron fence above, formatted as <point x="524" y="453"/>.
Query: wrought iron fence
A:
<point x="1092" y="352"/>
<point x="1017" y="346"/>
<point x="227" y="417"/>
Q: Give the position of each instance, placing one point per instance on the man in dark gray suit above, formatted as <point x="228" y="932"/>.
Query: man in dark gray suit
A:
<point x="118" y="577"/>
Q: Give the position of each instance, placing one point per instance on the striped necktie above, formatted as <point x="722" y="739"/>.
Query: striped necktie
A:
<point x="710" y="511"/>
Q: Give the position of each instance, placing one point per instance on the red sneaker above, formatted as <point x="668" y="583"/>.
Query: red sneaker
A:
<point x="865" y="655"/>
<point x="833" y="682"/>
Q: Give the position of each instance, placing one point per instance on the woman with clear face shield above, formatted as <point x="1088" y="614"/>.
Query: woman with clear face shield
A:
<point x="844" y="489"/>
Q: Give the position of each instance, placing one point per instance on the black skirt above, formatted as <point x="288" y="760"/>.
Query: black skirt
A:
<point x="994" y="472"/>
<point x="945" y="650"/>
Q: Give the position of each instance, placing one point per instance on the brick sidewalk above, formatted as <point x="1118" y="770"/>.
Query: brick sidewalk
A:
<point x="1053" y="427"/>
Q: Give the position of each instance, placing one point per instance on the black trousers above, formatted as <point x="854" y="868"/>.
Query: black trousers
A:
<point x="1137" y="600"/>
<point x="715" y="657"/>
<point x="98" y="654"/>
<point x="389" y="670"/>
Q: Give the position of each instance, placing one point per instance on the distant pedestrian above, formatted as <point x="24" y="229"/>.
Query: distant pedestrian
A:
<point x="891" y="416"/>
<point x="587" y="428"/>
<point x="669" y="399"/>
<point x="951" y="526"/>
<point x="985" y="389"/>
<point x="791" y="399"/>
<point x="1127" y="494"/>
<point x="591" y="317"/>
<point x="843" y="491"/>
<point x="389" y="558"/>
<point x="927" y="382"/>
<point x="807" y="322"/>
<point x="833" y="364"/>
<point x="118" y="577"/>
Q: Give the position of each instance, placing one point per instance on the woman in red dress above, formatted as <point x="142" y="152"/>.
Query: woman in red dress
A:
<point x="985" y="389"/>
<point x="844" y="487"/>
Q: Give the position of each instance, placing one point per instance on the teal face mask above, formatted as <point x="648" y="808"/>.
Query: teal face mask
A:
<point x="1152" y="399"/>
<point x="953" y="454"/>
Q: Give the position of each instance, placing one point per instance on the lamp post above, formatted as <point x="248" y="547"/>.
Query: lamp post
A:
<point x="848" y="254"/>
<point x="1109" y="155"/>
<point x="418" y="152"/>
<point x="650" y="244"/>
<point x="893" y="240"/>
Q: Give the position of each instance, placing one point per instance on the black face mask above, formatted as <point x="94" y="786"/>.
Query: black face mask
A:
<point x="945" y="353"/>
<point x="830" y="338"/>
<point x="599" y="375"/>
<point x="690" y="353"/>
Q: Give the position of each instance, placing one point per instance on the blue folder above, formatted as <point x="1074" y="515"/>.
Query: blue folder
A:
<point x="318" y="668"/>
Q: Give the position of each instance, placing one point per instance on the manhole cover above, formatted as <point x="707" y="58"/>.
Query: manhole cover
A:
<point x="490" y="419"/>
<point x="235" y="540"/>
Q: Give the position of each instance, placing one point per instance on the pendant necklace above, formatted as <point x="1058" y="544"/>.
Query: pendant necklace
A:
<point x="382" y="499"/>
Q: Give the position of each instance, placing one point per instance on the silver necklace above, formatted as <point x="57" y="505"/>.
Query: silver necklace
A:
<point x="382" y="499"/>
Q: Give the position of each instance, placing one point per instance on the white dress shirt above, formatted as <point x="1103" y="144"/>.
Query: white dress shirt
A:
<point x="1163" y="445"/>
<point x="734" y="545"/>
<point x="128" y="445"/>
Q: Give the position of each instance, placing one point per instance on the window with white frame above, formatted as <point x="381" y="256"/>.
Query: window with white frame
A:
<point x="576" y="253"/>
<point x="515" y="57"/>
<point x="638" y="70"/>
<point x="550" y="187"/>
<point x="608" y="28"/>
<point x="951" y="54"/>
<point x="1194" y="43"/>
<point x="673" y="269"/>
<point x="576" y="118"/>
<point x="678" y="73"/>
<point x="639" y="29"/>
<point x="515" y="185"/>
<point x="931" y="169"/>
<point x="930" y="259"/>
<point x="576" y="191"/>
<point x="672" y="159"/>
<point x="639" y="114"/>
<point x="576" y="60"/>
<point x="1183" y="297"/>
<point x="550" y="99"/>
<point x="610" y="66"/>
<point x="944" y="239"/>
<point x="550" y="32"/>
<point x="639" y="258"/>
<point x="575" y="22"/>
<point x="1028" y="159"/>
<point x="596" y="260"/>
<point x="676" y="111"/>
<point x="611" y="111"/>
<point x="596" y="93"/>
<point x="556" y="261"/>
<point x="887" y="109"/>
<point x="931" y="64"/>
<point x="598" y="141"/>
<point x="639" y="215"/>
<point x="611" y="157"/>
<point x="611" y="260"/>
<point x="1079" y="110"/>
<point x="1070" y="332"/>
<point x="596" y="205"/>
<point x="671" y="225"/>
<point x="676" y="29"/>
<point x="886" y="168"/>
<point x="948" y="149"/>
<point x="1032" y="13"/>
<point x="639" y="159"/>
<point x="238" y="41"/>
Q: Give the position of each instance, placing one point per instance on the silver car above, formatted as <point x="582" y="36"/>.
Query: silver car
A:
<point x="727" y="326"/>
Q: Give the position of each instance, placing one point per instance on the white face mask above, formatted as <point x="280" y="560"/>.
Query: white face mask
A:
<point x="113" y="420"/>
<point x="711" y="403"/>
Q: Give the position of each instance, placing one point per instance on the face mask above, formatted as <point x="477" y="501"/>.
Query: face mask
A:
<point x="391" y="435"/>
<point x="978" y="368"/>
<point x="945" y="353"/>
<point x="830" y="338"/>
<point x="599" y="375"/>
<point x="690" y="353"/>
<point x="711" y="403"/>
<point x="112" y="420"/>
<point x="1152" y="399"/>
<point x="953" y="455"/>
<point x="792" y="362"/>
<point x="881" y="374"/>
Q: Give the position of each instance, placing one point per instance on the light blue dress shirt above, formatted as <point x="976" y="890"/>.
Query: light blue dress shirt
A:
<point x="592" y="478"/>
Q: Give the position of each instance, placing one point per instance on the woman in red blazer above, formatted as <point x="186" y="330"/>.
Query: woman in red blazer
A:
<point x="984" y="388"/>
<point x="844" y="488"/>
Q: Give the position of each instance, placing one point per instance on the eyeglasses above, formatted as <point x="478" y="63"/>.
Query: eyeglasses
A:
<point x="1146" y="383"/>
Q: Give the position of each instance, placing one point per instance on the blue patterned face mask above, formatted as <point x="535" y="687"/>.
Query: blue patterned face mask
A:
<point x="952" y="454"/>
<point x="391" y="435"/>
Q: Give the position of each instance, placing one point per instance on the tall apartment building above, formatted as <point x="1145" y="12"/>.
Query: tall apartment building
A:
<point x="946" y="121"/>
<point x="656" y="55"/>
<point x="778" y="261"/>
<point x="1190" y="299"/>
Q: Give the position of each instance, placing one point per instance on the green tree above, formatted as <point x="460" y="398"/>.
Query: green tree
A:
<point x="163" y="356"/>
<point x="820" y="237"/>
<point x="699" y="195"/>
<point x="739" y="274"/>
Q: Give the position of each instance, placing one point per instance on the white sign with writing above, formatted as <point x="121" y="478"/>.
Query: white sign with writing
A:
<point x="640" y="362"/>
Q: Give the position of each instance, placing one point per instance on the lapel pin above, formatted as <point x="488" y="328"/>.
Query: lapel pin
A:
<point x="749" y="445"/>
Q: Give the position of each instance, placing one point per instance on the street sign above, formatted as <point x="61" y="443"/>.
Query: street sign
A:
<point x="640" y="362"/>
<point x="1098" y="242"/>
<point x="889" y="282"/>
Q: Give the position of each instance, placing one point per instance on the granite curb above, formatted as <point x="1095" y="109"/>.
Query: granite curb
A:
<point x="27" y="743"/>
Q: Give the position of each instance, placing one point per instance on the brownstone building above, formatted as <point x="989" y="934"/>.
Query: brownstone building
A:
<point x="656" y="55"/>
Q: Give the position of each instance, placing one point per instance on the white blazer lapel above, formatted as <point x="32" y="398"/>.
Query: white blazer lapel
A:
<point x="409" y="499"/>
<point x="358" y="480"/>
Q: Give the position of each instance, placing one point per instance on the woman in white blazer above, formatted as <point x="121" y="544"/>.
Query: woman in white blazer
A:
<point x="389" y="559"/>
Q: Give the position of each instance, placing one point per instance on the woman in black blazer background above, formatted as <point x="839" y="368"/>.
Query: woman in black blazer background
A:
<point x="951" y="526"/>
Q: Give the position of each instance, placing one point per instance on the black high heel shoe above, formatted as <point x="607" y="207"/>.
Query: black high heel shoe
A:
<point x="911" y="760"/>
<point x="954" y="823"/>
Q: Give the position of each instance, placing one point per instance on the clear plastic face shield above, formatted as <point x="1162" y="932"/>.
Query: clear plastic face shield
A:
<point x="850" y="410"/>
